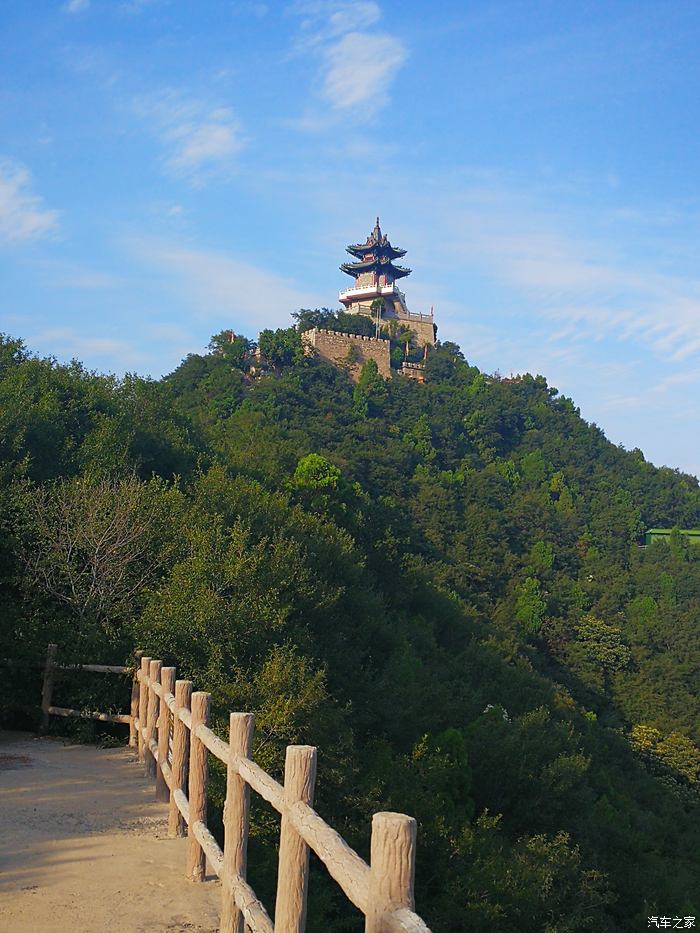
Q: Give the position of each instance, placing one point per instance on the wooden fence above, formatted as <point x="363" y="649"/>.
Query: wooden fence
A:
<point x="169" y="726"/>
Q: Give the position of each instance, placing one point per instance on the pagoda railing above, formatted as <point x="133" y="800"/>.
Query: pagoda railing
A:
<point x="415" y="316"/>
<point x="404" y="314"/>
<point x="371" y="289"/>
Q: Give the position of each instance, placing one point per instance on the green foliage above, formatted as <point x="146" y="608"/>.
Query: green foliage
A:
<point x="603" y="644"/>
<point x="532" y="468"/>
<point x="541" y="557"/>
<point x="281" y="347"/>
<point x="315" y="472"/>
<point x="370" y="392"/>
<point x="530" y="606"/>
<point x="334" y="320"/>
<point x="675" y="750"/>
<point x="234" y="348"/>
<point x="420" y="437"/>
<point x="438" y="585"/>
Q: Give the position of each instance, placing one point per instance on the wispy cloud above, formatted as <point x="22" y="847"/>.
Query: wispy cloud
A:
<point x="583" y="287"/>
<point x="75" y="6"/>
<point x="357" y="66"/>
<point x="670" y="383"/>
<point x="225" y="289"/>
<point x="199" y="138"/>
<point x="22" y="212"/>
<point x="251" y="8"/>
<point x="359" y="69"/>
<point x="134" y="7"/>
<point x="322" y="20"/>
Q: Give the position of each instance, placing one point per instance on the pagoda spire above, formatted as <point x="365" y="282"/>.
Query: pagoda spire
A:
<point x="375" y="257"/>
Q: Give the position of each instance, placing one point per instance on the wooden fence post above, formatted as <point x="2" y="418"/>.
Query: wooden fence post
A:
<point x="167" y="684"/>
<point x="293" y="872"/>
<point x="199" y="773"/>
<point x="135" y="691"/>
<point x="236" y="812"/>
<point x="143" y="707"/>
<point x="392" y="867"/>
<point x="47" y="688"/>
<point x="183" y="694"/>
<point x="154" y="678"/>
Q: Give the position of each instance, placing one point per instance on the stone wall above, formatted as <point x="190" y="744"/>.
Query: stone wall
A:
<point x="413" y="371"/>
<point x="349" y="351"/>
<point x="424" y="330"/>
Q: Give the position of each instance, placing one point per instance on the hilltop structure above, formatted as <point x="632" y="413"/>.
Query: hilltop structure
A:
<point x="349" y="351"/>
<point x="375" y="293"/>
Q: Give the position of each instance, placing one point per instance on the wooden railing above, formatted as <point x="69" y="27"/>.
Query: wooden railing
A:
<point x="169" y="724"/>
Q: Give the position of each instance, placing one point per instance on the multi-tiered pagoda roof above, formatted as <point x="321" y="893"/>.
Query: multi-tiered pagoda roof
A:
<point x="376" y="254"/>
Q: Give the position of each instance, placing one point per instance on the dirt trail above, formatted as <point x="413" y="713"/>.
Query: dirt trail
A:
<point x="83" y="846"/>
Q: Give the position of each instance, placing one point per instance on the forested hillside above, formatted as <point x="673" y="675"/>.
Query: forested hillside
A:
<point x="439" y="585"/>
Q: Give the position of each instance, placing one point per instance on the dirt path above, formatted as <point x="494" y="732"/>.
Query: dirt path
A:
<point x="83" y="846"/>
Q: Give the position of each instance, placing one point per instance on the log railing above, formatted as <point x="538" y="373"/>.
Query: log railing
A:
<point x="169" y="724"/>
<point x="50" y="668"/>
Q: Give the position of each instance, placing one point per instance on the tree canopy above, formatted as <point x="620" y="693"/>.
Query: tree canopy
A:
<point x="440" y="585"/>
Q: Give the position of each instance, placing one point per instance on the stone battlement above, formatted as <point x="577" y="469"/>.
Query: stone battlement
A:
<point x="348" y="351"/>
<point x="342" y="333"/>
<point x="413" y="371"/>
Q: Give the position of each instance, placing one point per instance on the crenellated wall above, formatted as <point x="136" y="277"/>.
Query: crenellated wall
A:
<point x="413" y="371"/>
<point x="351" y="351"/>
<point x="424" y="330"/>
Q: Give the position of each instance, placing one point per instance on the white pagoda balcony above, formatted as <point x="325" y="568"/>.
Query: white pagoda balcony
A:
<point x="370" y="291"/>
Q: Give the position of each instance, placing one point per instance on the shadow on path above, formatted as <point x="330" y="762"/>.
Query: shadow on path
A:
<point x="83" y="845"/>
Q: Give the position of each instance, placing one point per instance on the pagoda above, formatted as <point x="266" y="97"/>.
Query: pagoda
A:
<point x="375" y="293"/>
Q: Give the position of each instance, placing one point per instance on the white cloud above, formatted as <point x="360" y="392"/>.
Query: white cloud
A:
<point x="582" y="287"/>
<point x="677" y="379"/>
<point x="225" y="289"/>
<point x="350" y="16"/>
<point x="22" y="212"/>
<point x="325" y="19"/>
<point x="199" y="138"/>
<point x="357" y="66"/>
<point x="75" y="6"/>
<point x="359" y="69"/>
<point x="199" y="144"/>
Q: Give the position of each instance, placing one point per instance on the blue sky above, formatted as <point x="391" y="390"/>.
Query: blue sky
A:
<point x="171" y="168"/>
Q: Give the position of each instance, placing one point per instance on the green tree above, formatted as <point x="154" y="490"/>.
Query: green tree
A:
<point x="281" y="347"/>
<point x="370" y="393"/>
<point x="234" y="348"/>
<point x="530" y="606"/>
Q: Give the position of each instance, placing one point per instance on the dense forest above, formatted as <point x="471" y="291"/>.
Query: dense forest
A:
<point x="440" y="585"/>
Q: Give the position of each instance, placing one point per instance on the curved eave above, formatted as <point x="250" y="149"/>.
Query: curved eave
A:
<point x="382" y="265"/>
<point x="359" y="250"/>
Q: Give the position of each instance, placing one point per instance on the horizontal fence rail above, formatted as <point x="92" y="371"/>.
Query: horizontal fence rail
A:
<point x="169" y="726"/>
